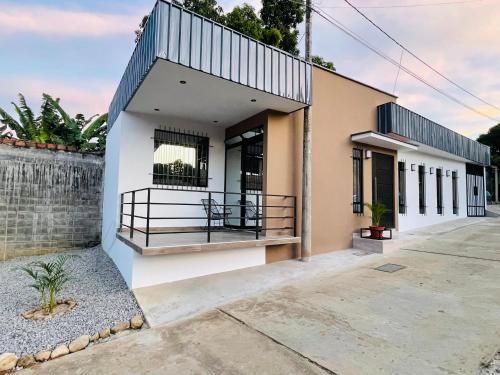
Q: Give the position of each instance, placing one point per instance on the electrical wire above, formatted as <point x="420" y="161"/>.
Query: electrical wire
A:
<point x="415" y="5"/>
<point x="327" y="17"/>
<point x="419" y="59"/>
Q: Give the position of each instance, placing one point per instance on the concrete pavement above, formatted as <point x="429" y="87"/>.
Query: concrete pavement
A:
<point x="439" y="315"/>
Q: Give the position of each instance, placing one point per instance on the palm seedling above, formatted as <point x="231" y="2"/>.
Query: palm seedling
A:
<point x="48" y="279"/>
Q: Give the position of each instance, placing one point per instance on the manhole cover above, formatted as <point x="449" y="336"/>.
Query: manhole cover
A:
<point x="390" y="267"/>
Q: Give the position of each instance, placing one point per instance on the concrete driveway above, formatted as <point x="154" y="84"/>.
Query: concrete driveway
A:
<point x="438" y="315"/>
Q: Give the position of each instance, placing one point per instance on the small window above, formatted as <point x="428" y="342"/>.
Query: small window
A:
<point x="454" y="188"/>
<point x="402" y="186"/>
<point x="180" y="159"/>
<point x="421" y="189"/>
<point x="357" y="181"/>
<point x="439" y="190"/>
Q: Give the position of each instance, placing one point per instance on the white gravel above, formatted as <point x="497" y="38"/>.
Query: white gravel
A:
<point x="100" y="292"/>
<point x="493" y="367"/>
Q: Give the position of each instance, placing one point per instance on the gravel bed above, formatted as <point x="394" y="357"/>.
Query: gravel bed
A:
<point x="103" y="300"/>
<point x="493" y="367"/>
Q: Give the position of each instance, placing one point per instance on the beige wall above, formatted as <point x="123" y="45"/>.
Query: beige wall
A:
<point x="340" y="108"/>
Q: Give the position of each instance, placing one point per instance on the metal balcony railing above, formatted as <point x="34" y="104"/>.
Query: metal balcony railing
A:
<point x="141" y="209"/>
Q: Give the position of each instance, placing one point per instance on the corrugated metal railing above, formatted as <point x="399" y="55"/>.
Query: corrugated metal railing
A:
<point x="175" y="34"/>
<point x="393" y="118"/>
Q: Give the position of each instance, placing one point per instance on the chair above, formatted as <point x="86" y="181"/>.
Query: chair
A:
<point x="218" y="212"/>
<point x="251" y="211"/>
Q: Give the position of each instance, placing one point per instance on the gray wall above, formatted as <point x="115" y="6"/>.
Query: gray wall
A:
<point x="49" y="201"/>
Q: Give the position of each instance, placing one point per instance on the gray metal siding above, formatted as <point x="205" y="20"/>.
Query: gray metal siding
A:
<point x="393" y="118"/>
<point x="175" y="34"/>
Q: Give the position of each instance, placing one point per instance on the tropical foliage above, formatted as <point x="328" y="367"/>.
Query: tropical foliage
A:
<point x="378" y="210"/>
<point x="276" y="25"/>
<point x="492" y="139"/>
<point x="48" y="279"/>
<point x="54" y="125"/>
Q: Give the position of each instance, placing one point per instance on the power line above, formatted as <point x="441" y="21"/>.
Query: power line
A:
<point x="416" y="5"/>
<point x="327" y="17"/>
<point x="419" y="59"/>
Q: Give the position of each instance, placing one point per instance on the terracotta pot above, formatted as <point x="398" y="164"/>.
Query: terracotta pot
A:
<point x="61" y="147"/>
<point x="51" y="146"/>
<point x="20" y="143"/>
<point x="377" y="233"/>
<point x="71" y="148"/>
<point x="8" y="141"/>
<point x="41" y="145"/>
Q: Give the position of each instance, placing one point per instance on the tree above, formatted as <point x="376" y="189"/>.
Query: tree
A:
<point x="205" y="8"/>
<point x="284" y="16"/>
<point x="492" y="139"/>
<point x="54" y="125"/>
<point x="320" y="61"/>
<point x="245" y="20"/>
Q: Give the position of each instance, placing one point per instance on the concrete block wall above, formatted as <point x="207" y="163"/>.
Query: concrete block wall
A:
<point x="49" y="201"/>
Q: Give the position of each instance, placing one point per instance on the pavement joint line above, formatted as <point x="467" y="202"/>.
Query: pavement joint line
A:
<point x="242" y="322"/>
<point x="452" y="255"/>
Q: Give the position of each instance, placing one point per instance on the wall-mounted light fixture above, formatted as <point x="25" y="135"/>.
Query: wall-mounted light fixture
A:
<point x="447" y="173"/>
<point x="368" y="154"/>
<point x="412" y="167"/>
<point x="431" y="170"/>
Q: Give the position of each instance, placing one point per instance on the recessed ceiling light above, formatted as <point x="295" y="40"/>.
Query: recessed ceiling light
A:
<point x="157" y="109"/>
<point x="215" y="121"/>
<point x="253" y="100"/>
<point x="182" y="82"/>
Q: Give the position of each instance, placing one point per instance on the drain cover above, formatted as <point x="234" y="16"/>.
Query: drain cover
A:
<point x="390" y="267"/>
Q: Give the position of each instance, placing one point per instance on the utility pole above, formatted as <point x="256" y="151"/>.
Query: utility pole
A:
<point x="306" y="158"/>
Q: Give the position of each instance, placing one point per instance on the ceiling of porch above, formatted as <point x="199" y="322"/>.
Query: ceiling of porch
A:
<point x="202" y="98"/>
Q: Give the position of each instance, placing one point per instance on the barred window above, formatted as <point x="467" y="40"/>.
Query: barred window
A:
<point x="421" y="189"/>
<point x="402" y="186"/>
<point x="357" y="179"/>
<point x="454" y="187"/>
<point x="180" y="159"/>
<point x="439" y="190"/>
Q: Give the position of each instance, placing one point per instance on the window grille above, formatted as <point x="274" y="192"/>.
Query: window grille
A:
<point x="421" y="189"/>
<point x="454" y="187"/>
<point x="439" y="190"/>
<point x="357" y="174"/>
<point x="180" y="159"/>
<point x="402" y="186"/>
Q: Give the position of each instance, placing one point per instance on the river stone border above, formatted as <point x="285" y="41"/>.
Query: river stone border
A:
<point x="10" y="362"/>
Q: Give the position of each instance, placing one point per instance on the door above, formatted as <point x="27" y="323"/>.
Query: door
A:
<point x="383" y="185"/>
<point x="475" y="190"/>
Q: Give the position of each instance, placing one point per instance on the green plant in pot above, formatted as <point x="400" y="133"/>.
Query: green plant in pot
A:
<point x="378" y="210"/>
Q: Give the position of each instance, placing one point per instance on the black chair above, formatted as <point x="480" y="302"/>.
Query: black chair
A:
<point x="251" y="211"/>
<point x="218" y="212"/>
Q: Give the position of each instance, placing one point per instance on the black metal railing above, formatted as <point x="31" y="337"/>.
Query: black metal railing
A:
<point x="208" y="207"/>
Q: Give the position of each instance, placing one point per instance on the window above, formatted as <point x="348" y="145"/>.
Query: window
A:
<point x="454" y="188"/>
<point x="180" y="159"/>
<point x="402" y="186"/>
<point x="439" y="190"/>
<point x="357" y="181"/>
<point x="421" y="189"/>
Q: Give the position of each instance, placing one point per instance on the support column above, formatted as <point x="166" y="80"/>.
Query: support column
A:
<point x="496" y="183"/>
<point x="307" y="150"/>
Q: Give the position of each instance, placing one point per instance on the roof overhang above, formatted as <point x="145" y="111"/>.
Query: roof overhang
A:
<point x="383" y="141"/>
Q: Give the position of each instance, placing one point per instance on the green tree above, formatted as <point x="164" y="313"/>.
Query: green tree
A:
<point x="54" y="125"/>
<point x="320" y="61"/>
<point x="205" y="8"/>
<point x="245" y="20"/>
<point x="284" y="15"/>
<point x="492" y="139"/>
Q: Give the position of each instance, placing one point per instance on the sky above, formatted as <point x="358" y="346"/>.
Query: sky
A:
<point x="77" y="51"/>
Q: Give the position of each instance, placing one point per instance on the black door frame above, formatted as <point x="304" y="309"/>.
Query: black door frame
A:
<point x="391" y="212"/>
<point x="244" y="143"/>
<point x="475" y="190"/>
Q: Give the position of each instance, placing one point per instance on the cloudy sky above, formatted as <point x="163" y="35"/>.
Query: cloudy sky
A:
<point x="78" y="50"/>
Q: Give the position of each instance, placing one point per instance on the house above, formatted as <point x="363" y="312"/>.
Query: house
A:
<point x="204" y="156"/>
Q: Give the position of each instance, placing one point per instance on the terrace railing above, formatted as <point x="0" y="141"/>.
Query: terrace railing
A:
<point x="152" y="211"/>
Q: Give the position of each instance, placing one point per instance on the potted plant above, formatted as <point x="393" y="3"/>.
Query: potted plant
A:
<point x="378" y="210"/>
